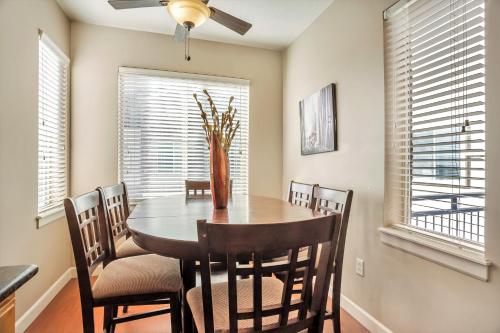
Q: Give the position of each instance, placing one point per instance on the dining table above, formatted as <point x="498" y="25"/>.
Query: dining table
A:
<point x="167" y="226"/>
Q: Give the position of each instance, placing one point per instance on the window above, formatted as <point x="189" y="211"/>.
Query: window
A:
<point x="53" y="68"/>
<point x="435" y="117"/>
<point x="161" y="141"/>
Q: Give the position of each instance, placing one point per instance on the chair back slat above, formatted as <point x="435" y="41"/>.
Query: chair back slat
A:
<point x="307" y="277"/>
<point x="301" y="194"/>
<point x="247" y="249"/>
<point x="322" y="283"/>
<point x="85" y="215"/>
<point x="257" y="291"/>
<point x="232" y="293"/>
<point x="205" y="276"/>
<point x="287" y="291"/>
<point x="115" y="198"/>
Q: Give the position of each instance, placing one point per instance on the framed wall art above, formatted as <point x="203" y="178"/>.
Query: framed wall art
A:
<point x="318" y="122"/>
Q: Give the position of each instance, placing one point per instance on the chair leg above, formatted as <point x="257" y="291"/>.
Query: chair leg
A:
<point x="336" y="324"/>
<point x="114" y="315"/>
<point x="175" y="313"/>
<point x="88" y="318"/>
<point x="336" y="316"/>
<point x="108" y="318"/>
<point x="125" y="308"/>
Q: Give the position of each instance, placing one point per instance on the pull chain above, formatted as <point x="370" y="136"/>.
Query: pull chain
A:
<point x="186" y="44"/>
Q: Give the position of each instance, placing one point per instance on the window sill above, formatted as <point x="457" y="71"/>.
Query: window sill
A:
<point x="459" y="257"/>
<point x="49" y="216"/>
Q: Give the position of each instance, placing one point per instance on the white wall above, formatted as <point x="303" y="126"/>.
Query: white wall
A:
<point x="98" y="52"/>
<point x="20" y="241"/>
<point x="406" y="293"/>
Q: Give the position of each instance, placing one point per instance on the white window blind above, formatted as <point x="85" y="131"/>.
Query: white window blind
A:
<point x="434" y="60"/>
<point x="53" y="67"/>
<point x="161" y="141"/>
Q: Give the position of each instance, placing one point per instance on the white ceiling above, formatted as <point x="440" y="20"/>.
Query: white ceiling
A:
<point x="276" y="23"/>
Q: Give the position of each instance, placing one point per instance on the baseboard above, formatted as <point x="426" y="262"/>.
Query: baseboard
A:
<point x="34" y="311"/>
<point x="366" y="319"/>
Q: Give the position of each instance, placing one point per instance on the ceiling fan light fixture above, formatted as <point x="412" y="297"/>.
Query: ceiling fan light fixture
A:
<point x="189" y="13"/>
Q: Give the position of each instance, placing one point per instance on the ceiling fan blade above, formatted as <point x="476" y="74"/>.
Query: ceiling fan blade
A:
<point x="125" y="4"/>
<point x="230" y="21"/>
<point x="180" y="33"/>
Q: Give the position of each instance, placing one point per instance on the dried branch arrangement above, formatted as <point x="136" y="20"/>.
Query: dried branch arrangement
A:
<point x="222" y="126"/>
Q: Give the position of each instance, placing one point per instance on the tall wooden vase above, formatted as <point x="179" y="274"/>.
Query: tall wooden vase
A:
<point x="219" y="173"/>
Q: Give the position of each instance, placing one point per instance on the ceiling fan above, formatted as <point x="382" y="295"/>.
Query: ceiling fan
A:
<point x="188" y="14"/>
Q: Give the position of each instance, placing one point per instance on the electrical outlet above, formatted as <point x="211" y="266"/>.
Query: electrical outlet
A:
<point x="360" y="267"/>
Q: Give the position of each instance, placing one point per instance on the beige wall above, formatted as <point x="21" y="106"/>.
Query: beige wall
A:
<point x="404" y="292"/>
<point x="98" y="52"/>
<point x="408" y="294"/>
<point x="20" y="241"/>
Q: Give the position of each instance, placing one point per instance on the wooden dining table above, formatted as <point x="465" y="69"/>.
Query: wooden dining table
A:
<point x="168" y="226"/>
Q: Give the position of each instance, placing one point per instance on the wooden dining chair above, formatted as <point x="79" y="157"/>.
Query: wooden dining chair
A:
<point x="301" y="194"/>
<point x="328" y="201"/>
<point x="146" y="279"/>
<point x="263" y="303"/>
<point x="196" y="189"/>
<point x="115" y="199"/>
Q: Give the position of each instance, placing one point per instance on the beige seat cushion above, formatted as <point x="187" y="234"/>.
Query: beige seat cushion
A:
<point x="272" y="289"/>
<point x="128" y="248"/>
<point x="138" y="275"/>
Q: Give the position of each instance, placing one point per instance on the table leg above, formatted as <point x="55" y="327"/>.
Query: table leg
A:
<point x="188" y="282"/>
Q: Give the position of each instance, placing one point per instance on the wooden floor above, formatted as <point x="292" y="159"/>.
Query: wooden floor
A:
<point x="63" y="315"/>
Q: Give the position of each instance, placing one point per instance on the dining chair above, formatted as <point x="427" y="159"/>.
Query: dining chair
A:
<point x="196" y="189"/>
<point x="301" y="194"/>
<point x="328" y="201"/>
<point x="264" y="303"/>
<point x="115" y="199"/>
<point x="138" y="280"/>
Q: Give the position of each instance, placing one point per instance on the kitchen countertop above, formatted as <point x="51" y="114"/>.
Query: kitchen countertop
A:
<point x="13" y="277"/>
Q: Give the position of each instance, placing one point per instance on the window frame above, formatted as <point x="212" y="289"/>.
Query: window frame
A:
<point x="51" y="214"/>
<point x="454" y="253"/>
